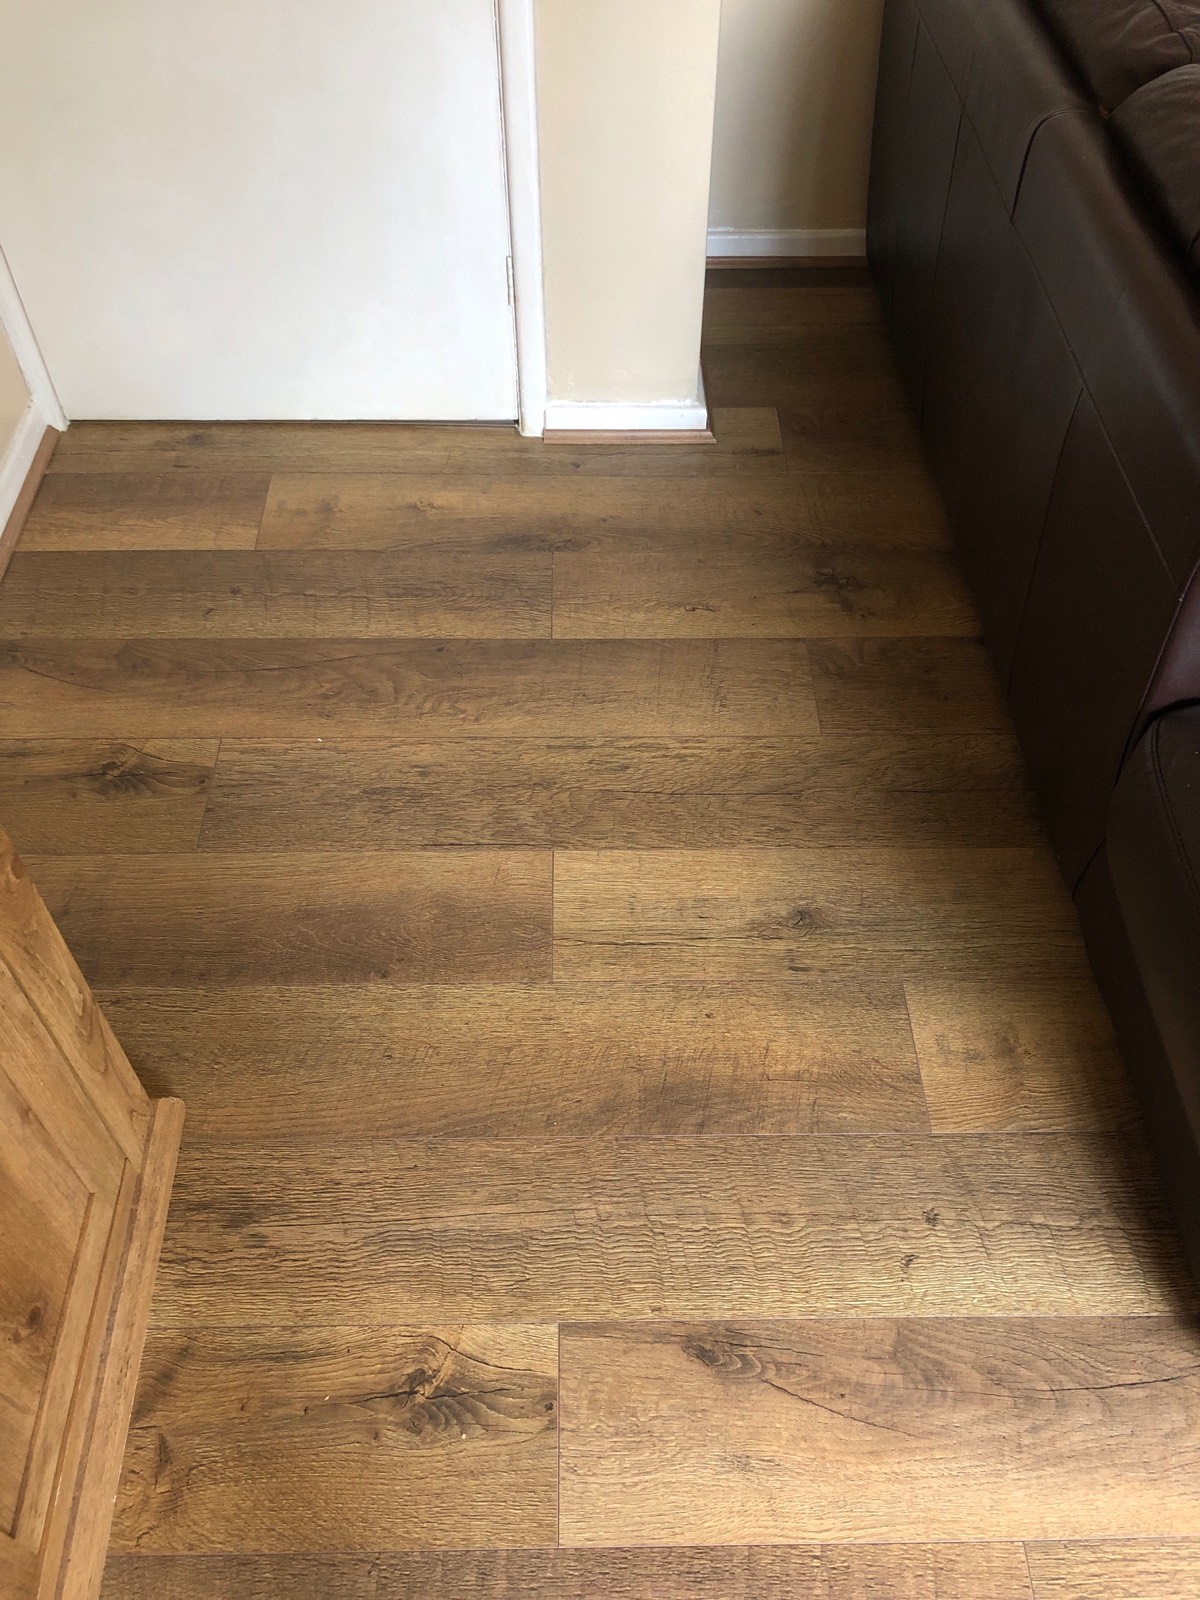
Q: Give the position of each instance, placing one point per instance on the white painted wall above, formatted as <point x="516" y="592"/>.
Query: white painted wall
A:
<point x="795" y="100"/>
<point x="626" y="90"/>
<point x="14" y="395"/>
<point x="289" y="208"/>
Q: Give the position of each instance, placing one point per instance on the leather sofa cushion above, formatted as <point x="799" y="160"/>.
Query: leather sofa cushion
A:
<point x="1119" y="45"/>
<point x="1154" y="857"/>
<point x="1159" y="127"/>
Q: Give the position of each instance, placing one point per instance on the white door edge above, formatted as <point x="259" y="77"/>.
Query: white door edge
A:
<point x="518" y="95"/>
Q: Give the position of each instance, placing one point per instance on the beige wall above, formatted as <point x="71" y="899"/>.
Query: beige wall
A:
<point x="14" y="395"/>
<point x="625" y="104"/>
<point x="795" y="94"/>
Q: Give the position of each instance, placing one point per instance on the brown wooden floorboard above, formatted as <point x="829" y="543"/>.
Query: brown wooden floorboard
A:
<point x="808" y="1572"/>
<point x="497" y="1230"/>
<point x="879" y="1430"/>
<point x="527" y="1060"/>
<point x="591" y="892"/>
<point x="585" y="793"/>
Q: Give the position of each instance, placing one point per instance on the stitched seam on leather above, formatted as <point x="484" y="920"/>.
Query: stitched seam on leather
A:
<point x="1033" y="133"/>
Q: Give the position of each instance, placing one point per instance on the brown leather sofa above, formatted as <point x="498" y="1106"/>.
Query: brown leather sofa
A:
<point x="1034" y="224"/>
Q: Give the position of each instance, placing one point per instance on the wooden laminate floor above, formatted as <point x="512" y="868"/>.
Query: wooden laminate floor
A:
<point x="651" y="1130"/>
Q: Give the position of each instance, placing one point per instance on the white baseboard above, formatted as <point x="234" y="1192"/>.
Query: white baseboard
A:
<point x="794" y="242"/>
<point x="17" y="460"/>
<point x="606" y="416"/>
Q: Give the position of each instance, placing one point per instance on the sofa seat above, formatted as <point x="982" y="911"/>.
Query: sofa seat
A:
<point x="1159" y="128"/>
<point x="1119" y="45"/>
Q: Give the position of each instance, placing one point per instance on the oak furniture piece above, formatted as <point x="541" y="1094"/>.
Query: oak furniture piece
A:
<point x="86" y="1163"/>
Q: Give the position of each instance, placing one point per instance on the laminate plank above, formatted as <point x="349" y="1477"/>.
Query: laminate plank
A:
<point x="352" y="1438"/>
<point x="394" y="511"/>
<point x="423" y="916"/>
<point x="738" y="314"/>
<point x="855" y="421"/>
<point x="558" y="1230"/>
<point x="764" y="913"/>
<point x="1119" y="1569"/>
<point x="145" y="510"/>
<point x="755" y="1572"/>
<point x="540" y="1061"/>
<point x="264" y="688"/>
<point x="894" y="685"/>
<point x="718" y="586"/>
<point x="746" y="440"/>
<point x="603" y="793"/>
<point x="66" y="796"/>
<point x="897" y="507"/>
<point x="1002" y="1054"/>
<point x="879" y="1430"/>
<point x="312" y="594"/>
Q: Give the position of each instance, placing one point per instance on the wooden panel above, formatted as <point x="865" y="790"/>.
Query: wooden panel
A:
<point x="765" y="913"/>
<point x="52" y="1096"/>
<point x="405" y="511"/>
<point x="809" y="1572"/>
<point x="508" y="1060"/>
<point x="44" y="1205"/>
<point x="747" y="440"/>
<point x="435" y="593"/>
<point x="343" y="1438"/>
<point x="556" y="1229"/>
<point x="33" y="948"/>
<point x="890" y="685"/>
<point x="97" y="795"/>
<point x="124" y="1331"/>
<point x="261" y="688"/>
<point x="1141" y="1569"/>
<point x="441" y="916"/>
<point x="997" y="1053"/>
<point x="109" y="510"/>
<point x="598" y="793"/>
<point x="992" y="1429"/>
<point x="713" y="585"/>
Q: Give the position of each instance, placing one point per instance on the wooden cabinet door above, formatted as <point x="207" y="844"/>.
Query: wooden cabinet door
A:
<point x="86" y="1160"/>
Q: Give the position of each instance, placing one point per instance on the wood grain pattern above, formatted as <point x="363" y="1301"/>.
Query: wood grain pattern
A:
<point x="756" y="1572"/>
<point x="246" y="594"/>
<point x="896" y="507"/>
<point x="440" y="916"/>
<point x="604" y="793"/>
<point x="775" y="314"/>
<point x="1118" y="1569"/>
<point x="718" y="586"/>
<point x="353" y="1439"/>
<point x="998" y="1054"/>
<point x="560" y="1230"/>
<point x="746" y="439"/>
<point x="889" y="685"/>
<point x="407" y="511"/>
<point x="147" y="510"/>
<point x="768" y="912"/>
<point x="971" y="1428"/>
<point x="566" y="1060"/>
<point x="856" y="421"/>
<point x="263" y="688"/>
<point x="59" y="796"/>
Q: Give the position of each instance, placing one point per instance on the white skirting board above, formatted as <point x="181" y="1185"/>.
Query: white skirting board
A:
<point x="793" y="242"/>
<point x="617" y="416"/>
<point x="18" y="459"/>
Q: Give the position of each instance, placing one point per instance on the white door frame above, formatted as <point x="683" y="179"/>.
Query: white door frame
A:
<point x="518" y="101"/>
